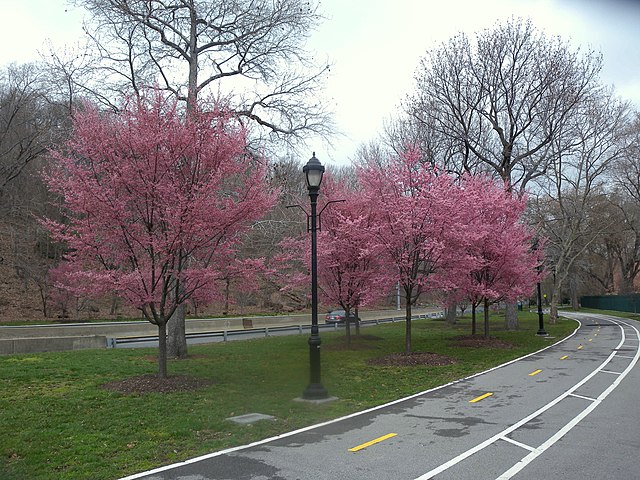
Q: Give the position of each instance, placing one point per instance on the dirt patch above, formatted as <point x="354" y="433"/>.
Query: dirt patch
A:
<point x="412" y="360"/>
<point x="153" y="384"/>
<point x="478" y="341"/>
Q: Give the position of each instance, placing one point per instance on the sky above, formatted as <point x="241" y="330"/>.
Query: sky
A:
<point x="374" y="47"/>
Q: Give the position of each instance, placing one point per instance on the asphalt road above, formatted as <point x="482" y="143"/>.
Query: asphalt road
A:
<point x="234" y="335"/>
<point x="569" y="412"/>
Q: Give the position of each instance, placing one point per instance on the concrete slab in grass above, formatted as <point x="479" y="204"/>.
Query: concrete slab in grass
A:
<point x="251" y="418"/>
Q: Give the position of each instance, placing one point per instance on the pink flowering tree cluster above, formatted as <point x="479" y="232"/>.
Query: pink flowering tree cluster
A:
<point x="460" y="238"/>
<point x="155" y="201"/>
<point x="350" y="272"/>
<point x="422" y="224"/>
<point x="406" y="223"/>
<point x="506" y="264"/>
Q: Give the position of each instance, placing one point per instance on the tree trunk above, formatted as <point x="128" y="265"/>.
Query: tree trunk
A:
<point x="407" y="331"/>
<point x="357" y="322"/>
<point x="626" y="283"/>
<point x="192" y="89"/>
<point x="114" y="305"/>
<point x="486" y="318"/>
<point x="162" y="350"/>
<point x="473" y="319"/>
<point x="451" y="313"/>
<point x="177" y="339"/>
<point x="347" y="326"/>
<point x="575" y="301"/>
<point x="511" y="316"/>
<point x="555" y="296"/>
<point x="43" y="298"/>
<point x="227" y="287"/>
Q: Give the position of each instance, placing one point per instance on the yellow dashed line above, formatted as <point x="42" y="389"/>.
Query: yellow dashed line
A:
<point x="372" y="442"/>
<point x="591" y="339"/>
<point x="481" y="397"/>
<point x="580" y="347"/>
<point x="564" y="358"/>
<point x="534" y="373"/>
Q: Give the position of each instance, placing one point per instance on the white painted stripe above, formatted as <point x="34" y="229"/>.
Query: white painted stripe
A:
<point x="518" y="444"/>
<point x="582" y="397"/>
<point x="352" y="415"/>
<point x="609" y="371"/>
<point x="515" y="426"/>
<point x="623" y="356"/>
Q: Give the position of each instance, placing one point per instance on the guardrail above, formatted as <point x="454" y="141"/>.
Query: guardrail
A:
<point x="225" y="335"/>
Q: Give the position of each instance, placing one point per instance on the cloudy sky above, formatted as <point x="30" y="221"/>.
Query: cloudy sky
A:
<point x="375" y="46"/>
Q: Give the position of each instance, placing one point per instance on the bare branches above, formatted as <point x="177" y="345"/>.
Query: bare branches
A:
<point x="191" y="47"/>
<point x="504" y="98"/>
<point x="24" y="134"/>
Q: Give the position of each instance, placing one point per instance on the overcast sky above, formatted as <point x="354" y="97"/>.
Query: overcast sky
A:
<point x="375" y="46"/>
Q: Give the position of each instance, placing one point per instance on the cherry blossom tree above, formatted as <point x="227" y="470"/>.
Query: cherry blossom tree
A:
<point x="153" y="198"/>
<point x="350" y="271"/>
<point x="421" y="225"/>
<point x="506" y="265"/>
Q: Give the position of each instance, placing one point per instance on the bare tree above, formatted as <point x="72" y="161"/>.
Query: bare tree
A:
<point x="625" y="245"/>
<point x="504" y="100"/>
<point x="574" y="188"/>
<point x="251" y="51"/>
<point x="25" y="122"/>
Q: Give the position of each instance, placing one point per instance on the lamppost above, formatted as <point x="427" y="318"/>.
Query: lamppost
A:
<point x="541" y="331"/>
<point x="313" y="172"/>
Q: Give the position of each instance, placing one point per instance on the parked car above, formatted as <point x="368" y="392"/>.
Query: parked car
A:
<point x="337" y="316"/>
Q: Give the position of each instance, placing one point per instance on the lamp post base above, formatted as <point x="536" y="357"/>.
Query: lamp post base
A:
<point x="542" y="332"/>
<point x="315" y="391"/>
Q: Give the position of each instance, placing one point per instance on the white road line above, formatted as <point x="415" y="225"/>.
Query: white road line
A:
<point x="515" y="426"/>
<point x="613" y="373"/>
<point x="583" y="397"/>
<point x="518" y="444"/>
<point x="624" y="356"/>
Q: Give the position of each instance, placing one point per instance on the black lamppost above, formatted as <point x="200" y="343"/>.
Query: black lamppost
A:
<point x="541" y="331"/>
<point x="313" y="172"/>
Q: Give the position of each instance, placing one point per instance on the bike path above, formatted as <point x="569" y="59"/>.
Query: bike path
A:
<point x="504" y="423"/>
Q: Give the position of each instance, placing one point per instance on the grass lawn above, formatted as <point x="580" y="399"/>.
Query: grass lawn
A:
<point x="56" y="422"/>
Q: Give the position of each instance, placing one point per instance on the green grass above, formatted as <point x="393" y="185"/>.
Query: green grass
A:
<point x="56" y="422"/>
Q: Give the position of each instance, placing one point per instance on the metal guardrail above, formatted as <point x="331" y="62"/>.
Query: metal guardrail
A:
<point x="300" y="329"/>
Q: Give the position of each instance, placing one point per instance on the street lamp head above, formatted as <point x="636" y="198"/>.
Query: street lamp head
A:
<point x="313" y="172"/>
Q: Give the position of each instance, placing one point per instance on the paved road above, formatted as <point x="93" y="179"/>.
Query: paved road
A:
<point x="246" y="334"/>
<point x="286" y="326"/>
<point x="569" y="411"/>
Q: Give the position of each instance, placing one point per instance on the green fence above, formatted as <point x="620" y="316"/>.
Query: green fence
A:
<point x="619" y="303"/>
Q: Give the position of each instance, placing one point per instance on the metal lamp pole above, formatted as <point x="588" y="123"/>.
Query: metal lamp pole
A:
<point x="313" y="172"/>
<point x="541" y="331"/>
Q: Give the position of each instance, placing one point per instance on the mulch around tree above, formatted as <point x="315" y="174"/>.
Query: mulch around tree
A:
<point x="412" y="360"/>
<point x="478" y="341"/>
<point x="151" y="383"/>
